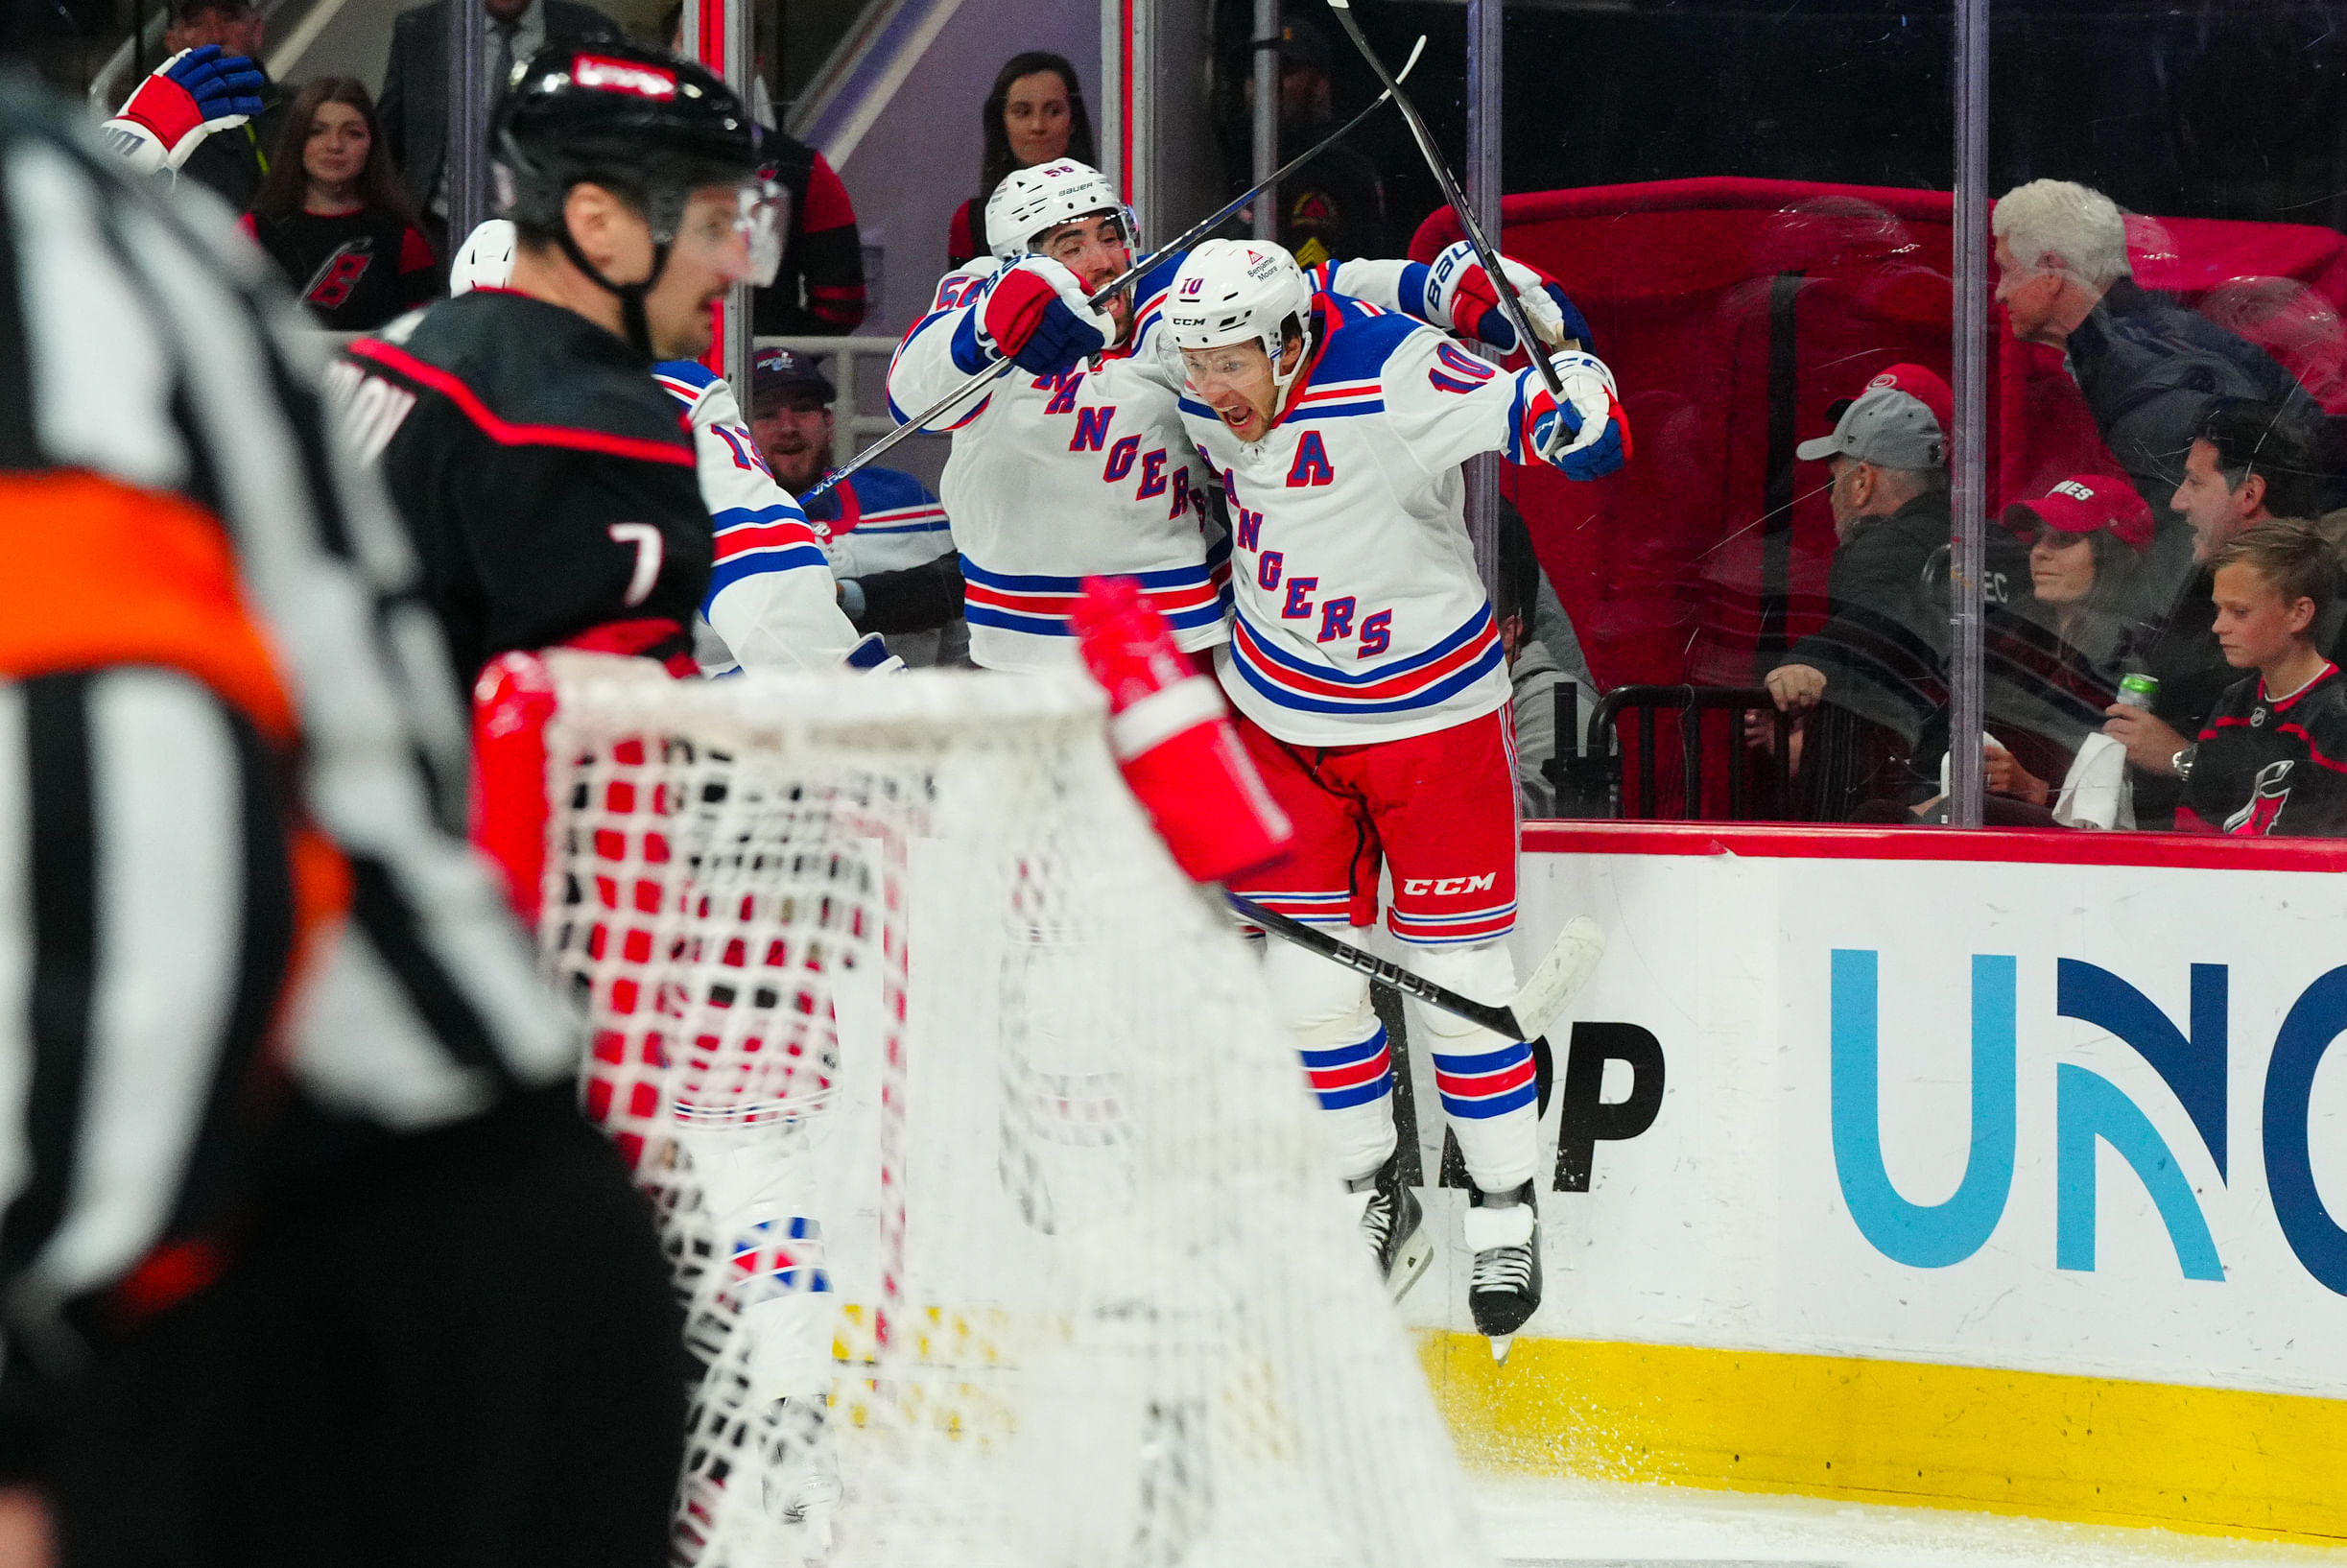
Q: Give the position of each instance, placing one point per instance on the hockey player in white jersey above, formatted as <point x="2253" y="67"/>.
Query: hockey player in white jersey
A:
<point x="1367" y="672"/>
<point x="1077" y="463"/>
<point x="771" y="603"/>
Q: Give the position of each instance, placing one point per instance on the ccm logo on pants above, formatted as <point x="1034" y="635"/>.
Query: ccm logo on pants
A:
<point x="1445" y="886"/>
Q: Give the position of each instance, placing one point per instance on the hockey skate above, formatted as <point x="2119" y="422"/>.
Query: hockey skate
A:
<point x="1504" y="1288"/>
<point x="1395" y="1224"/>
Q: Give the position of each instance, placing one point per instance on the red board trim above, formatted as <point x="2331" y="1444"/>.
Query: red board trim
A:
<point x="2171" y="851"/>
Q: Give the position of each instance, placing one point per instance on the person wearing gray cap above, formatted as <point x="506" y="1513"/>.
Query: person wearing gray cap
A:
<point x="1873" y="677"/>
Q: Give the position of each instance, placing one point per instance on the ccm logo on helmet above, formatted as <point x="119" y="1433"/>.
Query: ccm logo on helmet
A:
<point x="606" y="75"/>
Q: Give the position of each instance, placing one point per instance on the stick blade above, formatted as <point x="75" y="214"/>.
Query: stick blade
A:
<point x="1569" y="962"/>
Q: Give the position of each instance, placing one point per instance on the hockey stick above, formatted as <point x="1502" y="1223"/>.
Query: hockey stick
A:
<point x="1560" y="973"/>
<point x="1509" y="304"/>
<point x="1124" y="280"/>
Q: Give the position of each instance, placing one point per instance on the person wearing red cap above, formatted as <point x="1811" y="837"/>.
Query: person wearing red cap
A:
<point x="1875" y="672"/>
<point x="2055" y="662"/>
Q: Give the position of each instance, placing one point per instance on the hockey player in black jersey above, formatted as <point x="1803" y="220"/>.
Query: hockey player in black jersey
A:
<point x="545" y="478"/>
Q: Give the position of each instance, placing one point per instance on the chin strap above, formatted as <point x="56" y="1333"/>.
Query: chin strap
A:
<point x="631" y="295"/>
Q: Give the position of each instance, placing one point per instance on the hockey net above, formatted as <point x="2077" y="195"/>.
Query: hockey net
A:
<point x="991" y="1188"/>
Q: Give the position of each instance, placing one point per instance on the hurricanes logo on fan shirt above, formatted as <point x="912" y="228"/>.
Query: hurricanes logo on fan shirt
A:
<point x="2265" y="801"/>
<point x="330" y="287"/>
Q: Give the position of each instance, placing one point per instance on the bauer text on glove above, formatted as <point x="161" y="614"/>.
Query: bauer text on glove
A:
<point x="1035" y="315"/>
<point x="188" y="97"/>
<point x="1460" y="295"/>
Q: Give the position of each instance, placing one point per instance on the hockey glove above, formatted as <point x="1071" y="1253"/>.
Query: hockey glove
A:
<point x="1034" y="315"/>
<point x="1462" y="296"/>
<point x="1172" y="737"/>
<point x="1585" y="435"/>
<point x="191" y="95"/>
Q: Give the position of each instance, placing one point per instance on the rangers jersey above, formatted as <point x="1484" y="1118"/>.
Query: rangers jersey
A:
<point x="1057" y="478"/>
<point x="1054" y="478"/>
<point x="880" y="520"/>
<point x="772" y="601"/>
<point x="1359" y="615"/>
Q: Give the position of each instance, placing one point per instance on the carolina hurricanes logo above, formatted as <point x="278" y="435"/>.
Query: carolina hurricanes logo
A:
<point x="1885" y="379"/>
<point x="2072" y="488"/>
<point x="604" y="74"/>
<point x="2266" y="803"/>
<point x="330" y="287"/>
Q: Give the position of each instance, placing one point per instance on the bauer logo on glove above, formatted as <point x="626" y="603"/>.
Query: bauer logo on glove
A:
<point x="191" y="95"/>
<point x="1460" y="295"/>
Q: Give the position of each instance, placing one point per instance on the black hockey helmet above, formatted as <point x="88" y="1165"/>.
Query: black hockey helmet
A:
<point x="648" y="127"/>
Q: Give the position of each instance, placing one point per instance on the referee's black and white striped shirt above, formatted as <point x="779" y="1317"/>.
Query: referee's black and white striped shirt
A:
<point x="139" y="339"/>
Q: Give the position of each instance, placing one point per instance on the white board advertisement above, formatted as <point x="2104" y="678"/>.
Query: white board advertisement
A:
<point x="2071" y="1118"/>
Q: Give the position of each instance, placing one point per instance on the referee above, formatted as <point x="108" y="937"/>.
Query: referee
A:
<point x="305" y="1254"/>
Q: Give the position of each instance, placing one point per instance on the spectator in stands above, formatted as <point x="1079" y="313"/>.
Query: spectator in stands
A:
<point x="1334" y="206"/>
<point x="416" y="84"/>
<point x="333" y="217"/>
<point x="2247" y="463"/>
<point x="1871" y="680"/>
<point x="230" y="163"/>
<point x="2150" y="370"/>
<point x="2272" y="757"/>
<point x="1033" y="113"/>
<point x="820" y="287"/>
<point x="892" y="549"/>
<point x="2055" y="658"/>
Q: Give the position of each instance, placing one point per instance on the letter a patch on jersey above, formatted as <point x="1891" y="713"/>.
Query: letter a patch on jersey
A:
<point x="1311" y="466"/>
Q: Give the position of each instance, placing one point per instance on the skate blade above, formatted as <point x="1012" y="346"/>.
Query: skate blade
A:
<point x="1409" y="1264"/>
<point x="1500" y="1346"/>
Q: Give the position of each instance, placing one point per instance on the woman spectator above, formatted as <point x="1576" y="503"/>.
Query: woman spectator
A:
<point x="1033" y="113"/>
<point x="332" y="214"/>
<point x="2055" y="658"/>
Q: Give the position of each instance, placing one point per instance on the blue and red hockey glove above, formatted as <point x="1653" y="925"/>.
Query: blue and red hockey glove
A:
<point x="1583" y="436"/>
<point x="1035" y="315"/>
<point x="188" y="97"/>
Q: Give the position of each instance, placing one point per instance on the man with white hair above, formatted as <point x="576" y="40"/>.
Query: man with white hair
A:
<point x="2151" y="371"/>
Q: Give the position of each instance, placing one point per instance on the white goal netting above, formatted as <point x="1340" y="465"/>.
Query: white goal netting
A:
<point x="995" y="1193"/>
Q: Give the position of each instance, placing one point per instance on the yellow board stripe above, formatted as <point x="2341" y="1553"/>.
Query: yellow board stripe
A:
<point x="2098" y="1450"/>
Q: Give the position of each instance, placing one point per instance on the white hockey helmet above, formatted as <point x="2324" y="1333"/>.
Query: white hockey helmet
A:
<point x="485" y="260"/>
<point x="1241" y="290"/>
<point x="1028" y="202"/>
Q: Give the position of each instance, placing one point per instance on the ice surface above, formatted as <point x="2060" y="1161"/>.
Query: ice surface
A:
<point x="1569" y="1523"/>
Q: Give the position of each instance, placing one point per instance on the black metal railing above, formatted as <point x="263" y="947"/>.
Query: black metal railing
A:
<point x="1590" y="777"/>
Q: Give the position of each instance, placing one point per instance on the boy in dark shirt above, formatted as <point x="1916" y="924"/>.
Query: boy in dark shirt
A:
<point x="2272" y="758"/>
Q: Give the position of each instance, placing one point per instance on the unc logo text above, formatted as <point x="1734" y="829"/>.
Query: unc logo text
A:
<point x="2089" y="1109"/>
